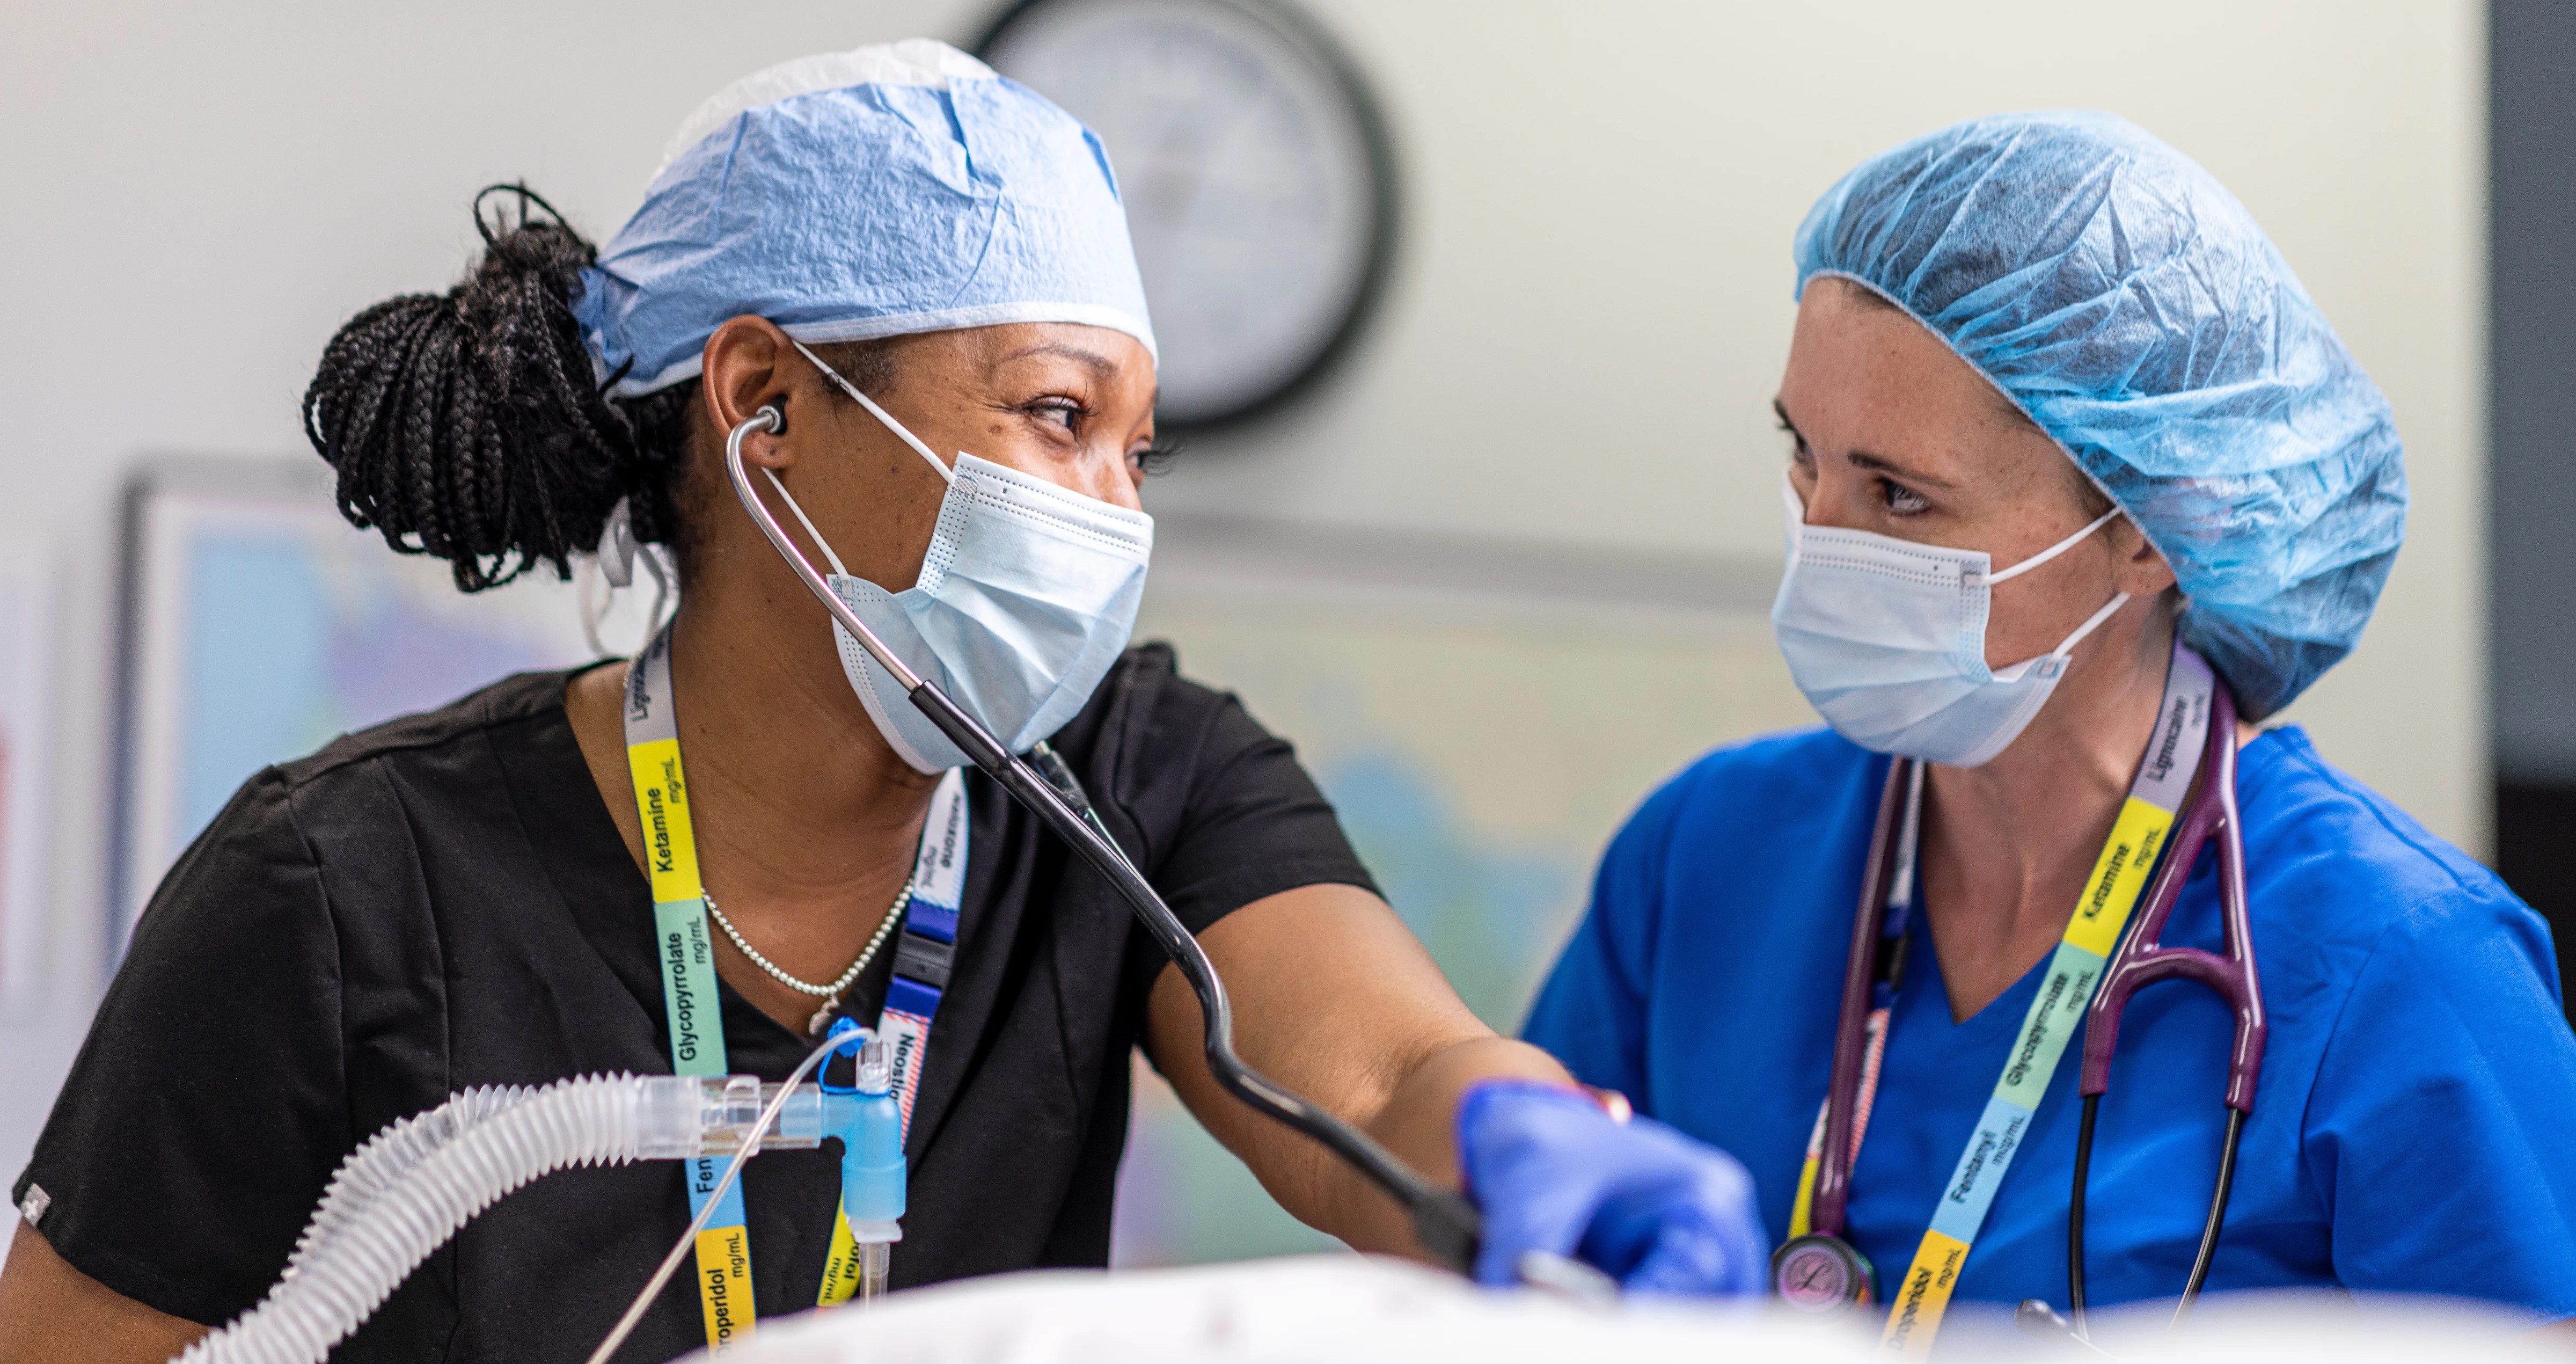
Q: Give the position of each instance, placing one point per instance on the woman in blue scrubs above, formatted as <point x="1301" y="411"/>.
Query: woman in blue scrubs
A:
<point x="2055" y="402"/>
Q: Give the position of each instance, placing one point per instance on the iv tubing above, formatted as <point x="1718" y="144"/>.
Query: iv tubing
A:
<point x="875" y="1258"/>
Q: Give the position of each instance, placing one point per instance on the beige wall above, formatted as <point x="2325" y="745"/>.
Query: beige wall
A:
<point x="1595" y="294"/>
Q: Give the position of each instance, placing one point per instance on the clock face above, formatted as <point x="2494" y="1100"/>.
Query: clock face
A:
<point x="1254" y="171"/>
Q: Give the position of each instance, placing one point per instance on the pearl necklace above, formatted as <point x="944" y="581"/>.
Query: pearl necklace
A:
<point x="829" y="994"/>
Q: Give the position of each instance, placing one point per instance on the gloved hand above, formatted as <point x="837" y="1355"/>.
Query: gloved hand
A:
<point x="1654" y="1209"/>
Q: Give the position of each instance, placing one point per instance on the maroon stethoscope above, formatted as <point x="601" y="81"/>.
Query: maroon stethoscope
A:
<point x="2142" y="959"/>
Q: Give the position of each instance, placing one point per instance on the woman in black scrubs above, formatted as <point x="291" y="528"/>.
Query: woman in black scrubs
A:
<point x="461" y="898"/>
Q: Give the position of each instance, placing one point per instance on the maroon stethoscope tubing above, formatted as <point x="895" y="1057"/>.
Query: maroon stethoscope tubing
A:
<point x="2143" y="960"/>
<point x="1833" y="1164"/>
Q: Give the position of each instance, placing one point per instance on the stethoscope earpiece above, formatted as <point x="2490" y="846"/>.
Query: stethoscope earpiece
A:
<point x="776" y="412"/>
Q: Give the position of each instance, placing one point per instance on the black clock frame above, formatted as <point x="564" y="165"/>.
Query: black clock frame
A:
<point x="1309" y="37"/>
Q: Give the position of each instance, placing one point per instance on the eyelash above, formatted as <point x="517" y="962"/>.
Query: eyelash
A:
<point x="1157" y="458"/>
<point x="1074" y="413"/>
<point x="1898" y="499"/>
<point x="1153" y="459"/>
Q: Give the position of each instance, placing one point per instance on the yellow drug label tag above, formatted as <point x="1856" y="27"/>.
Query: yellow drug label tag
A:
<point x="662" y="803"/>
<point x="724" y="1284"/>
<point x="1914" y="1311"/>
<point x="840" y="1265"/>
<point x="2119" y="876"/>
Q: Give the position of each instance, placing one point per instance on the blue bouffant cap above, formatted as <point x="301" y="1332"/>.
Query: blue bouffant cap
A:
<point x="894" y="189"/>
<point x="2130" y="305"/>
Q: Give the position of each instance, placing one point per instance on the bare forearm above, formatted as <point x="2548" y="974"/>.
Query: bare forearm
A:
<point x="52" y="1312"/>
<point x="1418" y="1123"/>
<point x="1334" y="999"/>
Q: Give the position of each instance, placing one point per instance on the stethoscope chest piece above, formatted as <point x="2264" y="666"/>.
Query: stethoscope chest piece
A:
<point x="1820" y="1275"/>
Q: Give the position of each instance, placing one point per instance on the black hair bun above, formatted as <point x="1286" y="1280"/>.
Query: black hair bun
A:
<point x="467" y="424"/>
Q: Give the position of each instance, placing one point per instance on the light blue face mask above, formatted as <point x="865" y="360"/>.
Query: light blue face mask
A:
<point x="1026" y="598"/>
<point x="1888" y="640"/>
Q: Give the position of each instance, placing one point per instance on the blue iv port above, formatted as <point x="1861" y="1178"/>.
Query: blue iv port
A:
<point x="870" y="1127"/>
<point x="872" y="1168"/>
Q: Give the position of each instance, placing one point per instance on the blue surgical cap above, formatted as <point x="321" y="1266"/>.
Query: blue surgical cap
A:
<point x="2129" y="304"/>
<point x="894" y="189"/>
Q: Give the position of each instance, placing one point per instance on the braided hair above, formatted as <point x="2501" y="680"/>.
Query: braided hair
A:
<point x="467" y="424"/>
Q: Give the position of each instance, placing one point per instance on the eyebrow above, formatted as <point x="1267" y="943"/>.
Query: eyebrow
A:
<point x="1862" y="459"/>
<point x="1099" y="364"/>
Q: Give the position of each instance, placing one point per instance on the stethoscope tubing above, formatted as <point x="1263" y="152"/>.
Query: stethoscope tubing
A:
<point x="2143" y="959"/>
<point x="1833" y="1166"/>
<point x="2140" y="960"/>
<point x="1447" y="1225"/>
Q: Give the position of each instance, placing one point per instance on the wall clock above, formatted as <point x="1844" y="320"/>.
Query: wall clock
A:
<point x="1257" y="175"/>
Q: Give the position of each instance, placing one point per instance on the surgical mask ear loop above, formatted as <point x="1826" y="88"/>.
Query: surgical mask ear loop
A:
<point x="807" y="522"/>
<point x="612" y="567"/>
<point x="946" y="474"/>
<point x="2092" y="622"/>
<point x="2054" y="550"/>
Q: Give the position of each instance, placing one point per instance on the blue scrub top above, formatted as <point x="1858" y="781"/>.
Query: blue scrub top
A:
<point x="2414" y="1129"/>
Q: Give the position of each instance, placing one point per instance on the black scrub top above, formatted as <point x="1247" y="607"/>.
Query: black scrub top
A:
<point x="443" y="901"/>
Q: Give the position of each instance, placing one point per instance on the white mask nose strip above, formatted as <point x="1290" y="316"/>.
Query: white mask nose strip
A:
<point x="2054" y="550"/>
<point x="945" y="475"/>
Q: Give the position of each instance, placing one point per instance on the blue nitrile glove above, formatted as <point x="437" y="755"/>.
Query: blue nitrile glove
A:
<point x="1654" y="1209"/>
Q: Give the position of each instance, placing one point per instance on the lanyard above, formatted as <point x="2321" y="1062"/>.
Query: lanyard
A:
<point x="685" y="954"/>
<point x="922" y="957"/>
<point x="2092" y="932"/>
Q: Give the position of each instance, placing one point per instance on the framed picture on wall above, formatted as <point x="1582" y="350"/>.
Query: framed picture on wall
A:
<point x="258" y="624"/>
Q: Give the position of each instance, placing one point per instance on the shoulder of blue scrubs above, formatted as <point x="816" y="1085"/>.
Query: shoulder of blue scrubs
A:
<point x="2433" y="1110"/>
<point x="2348" y="866"/>
<point x="1703" y="845"/>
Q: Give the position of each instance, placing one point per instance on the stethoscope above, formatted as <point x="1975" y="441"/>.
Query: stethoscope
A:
<point x="1447" y="1225"/>
<point x="2141" y="960"/>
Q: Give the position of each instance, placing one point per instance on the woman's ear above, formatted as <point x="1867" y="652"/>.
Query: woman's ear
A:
<point x="2140" y="570"/>
<point x="745" y="370"/>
